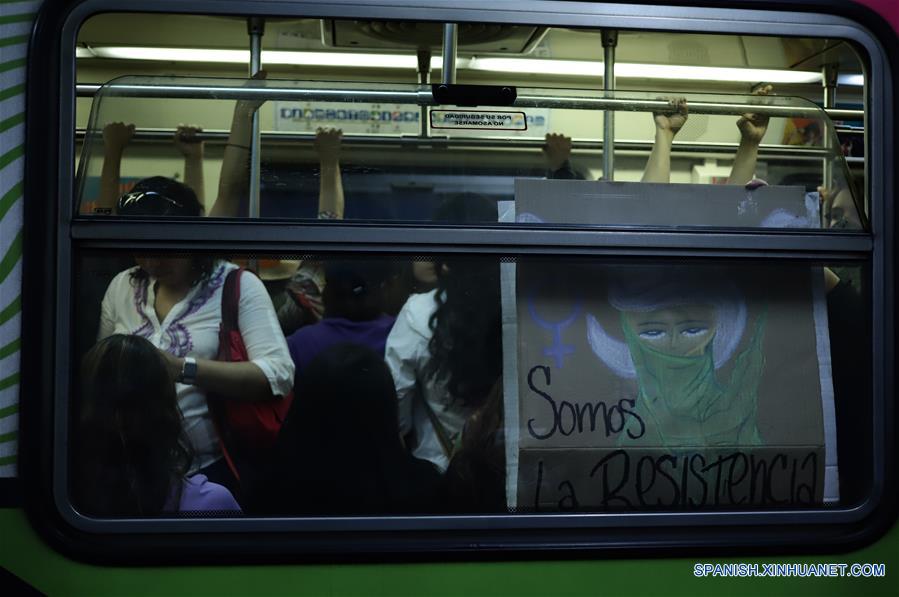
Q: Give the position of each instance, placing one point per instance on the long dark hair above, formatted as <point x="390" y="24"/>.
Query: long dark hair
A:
<point x="477" y="472"/>
<point x="466" y="345"/>
<point x="131" y="452"/>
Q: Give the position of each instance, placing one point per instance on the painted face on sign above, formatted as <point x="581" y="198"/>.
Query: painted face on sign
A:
<point x="678" y="331"/>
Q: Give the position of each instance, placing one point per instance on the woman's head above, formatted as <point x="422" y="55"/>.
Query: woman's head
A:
<point x="174" y="271"/>
<point x="459" y="208"/>
<point x="354" y="288"/>
<point x="159" y="196"/>
<point x="424" y="272"/>
<point x="131" y="446"/>
<point x="839" y="209"/>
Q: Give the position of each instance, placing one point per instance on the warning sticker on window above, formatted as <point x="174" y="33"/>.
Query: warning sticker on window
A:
<point x="458" y="119"/>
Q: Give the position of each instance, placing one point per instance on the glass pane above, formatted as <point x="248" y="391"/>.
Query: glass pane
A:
<point x="385" y="153"/>
<point x="455" y="384"/>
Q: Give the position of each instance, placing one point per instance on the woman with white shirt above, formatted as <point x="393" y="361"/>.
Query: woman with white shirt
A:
<point x="445" y="349"/>
<point x="176" y="304"/>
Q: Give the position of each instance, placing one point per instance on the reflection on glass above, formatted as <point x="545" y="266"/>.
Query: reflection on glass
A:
<point x="358" y="151"/>
<point x="480" y="386"/>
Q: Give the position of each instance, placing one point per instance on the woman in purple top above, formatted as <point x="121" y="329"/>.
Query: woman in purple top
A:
<point x="198" y="494"/>
<point x="131" y="454"/>
<point x="353" y="299"/>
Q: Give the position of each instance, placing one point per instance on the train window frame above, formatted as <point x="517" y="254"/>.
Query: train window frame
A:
<point x="52" y="231"/>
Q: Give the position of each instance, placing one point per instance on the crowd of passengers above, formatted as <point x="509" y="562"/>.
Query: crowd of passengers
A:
<point x="343" y="386"/>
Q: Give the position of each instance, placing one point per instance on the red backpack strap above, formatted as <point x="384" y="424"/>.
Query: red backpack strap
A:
<point x="230" y="309"/>
<point x="231" y="300"/>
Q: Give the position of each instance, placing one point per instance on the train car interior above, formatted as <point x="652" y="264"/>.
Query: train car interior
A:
<point x="604" y="271"/>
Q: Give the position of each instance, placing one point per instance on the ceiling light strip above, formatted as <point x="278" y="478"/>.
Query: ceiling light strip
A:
<point x="574" y="68"/>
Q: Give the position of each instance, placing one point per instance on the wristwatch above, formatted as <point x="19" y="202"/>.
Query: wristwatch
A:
<point x="188" y="371"/>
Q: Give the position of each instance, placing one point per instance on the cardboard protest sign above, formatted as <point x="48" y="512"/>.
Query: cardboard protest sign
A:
<point x="669" y="386"/>
<point x="657" y="204"/>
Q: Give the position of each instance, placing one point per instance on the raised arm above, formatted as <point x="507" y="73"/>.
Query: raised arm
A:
<point x="116" y="136"/>
<point x="752" y="129"/>
<point x="191" y="147"/>
<point x="234" y="181"/>
<point x="557" y="152"/>
<point x="330" y="192"/>
<point x="668" y="123"/>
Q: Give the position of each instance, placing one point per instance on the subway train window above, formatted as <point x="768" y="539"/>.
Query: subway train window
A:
<point x="458" y="384"/>
<point x="348" y="278"/>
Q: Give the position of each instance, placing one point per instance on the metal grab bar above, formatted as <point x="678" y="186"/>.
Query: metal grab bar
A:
<point x="411" y="141"/>
<point x="423" y="97"/>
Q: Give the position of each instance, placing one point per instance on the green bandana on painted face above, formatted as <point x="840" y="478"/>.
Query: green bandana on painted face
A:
<point x="684" y="399"/>
<point x="684" y="384"/>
